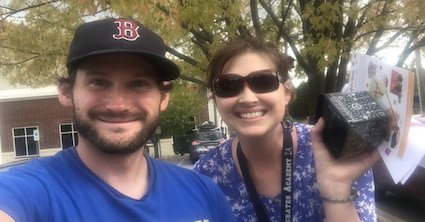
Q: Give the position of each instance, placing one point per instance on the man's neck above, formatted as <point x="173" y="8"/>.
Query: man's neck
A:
<point x="128" y="173"/>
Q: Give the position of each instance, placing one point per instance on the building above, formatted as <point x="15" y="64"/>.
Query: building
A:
<point x="215" y="117"/>
<point x="33" y="123"/>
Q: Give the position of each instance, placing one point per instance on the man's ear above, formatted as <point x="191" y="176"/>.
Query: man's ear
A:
<point x="165" y="98"/>
<point x="65" y="94"/>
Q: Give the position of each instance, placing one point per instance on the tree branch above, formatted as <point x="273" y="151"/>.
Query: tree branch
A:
<point x="409" y="49"/>
<point x="270" y="12"/>
<point x="194" y="80"/>
<point x="384" y="29"/>
<point x="14" y="11"/>
<point x="182" y="56"/>
<point x="20" y="62"/>
<point x="285" y="14"/>
<point x="387" y="43"/>
<point x="201" y="37"/>
<point x="19" y="50"/>
<point x="379" y="33"/>
<point x="255" y="18"/>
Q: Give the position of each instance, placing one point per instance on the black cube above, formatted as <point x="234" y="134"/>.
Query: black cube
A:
<point x="354" y="122"/>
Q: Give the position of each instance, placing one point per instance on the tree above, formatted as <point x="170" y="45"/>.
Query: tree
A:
<point x="183" y="107"/>
<point x="322" y="34"/>
<point x="34" y="40"/>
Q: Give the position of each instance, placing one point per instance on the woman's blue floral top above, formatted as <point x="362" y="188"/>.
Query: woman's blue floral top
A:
<point x="306" y="203"/>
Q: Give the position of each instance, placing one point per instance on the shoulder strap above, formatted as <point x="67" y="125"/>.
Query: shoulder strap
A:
<point x="286" y="188"/>
<point x="252" y="192"/>
<point x="286" y="180"/>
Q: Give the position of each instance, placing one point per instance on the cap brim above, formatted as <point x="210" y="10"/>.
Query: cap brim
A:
<point x="167" y="70"/>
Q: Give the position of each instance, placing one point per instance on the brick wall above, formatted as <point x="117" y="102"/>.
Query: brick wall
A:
<point x="45" y="113"/>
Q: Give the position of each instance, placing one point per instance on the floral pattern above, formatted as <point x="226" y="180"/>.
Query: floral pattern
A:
<point x="306" y="204"/>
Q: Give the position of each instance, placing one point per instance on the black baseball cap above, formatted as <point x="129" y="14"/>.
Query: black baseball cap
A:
<point x="120" y="36"/>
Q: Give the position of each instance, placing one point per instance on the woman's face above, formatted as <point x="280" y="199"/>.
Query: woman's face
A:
<point x="249" y="113"/>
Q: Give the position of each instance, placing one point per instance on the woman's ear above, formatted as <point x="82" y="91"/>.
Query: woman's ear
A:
<point x="289" y="91"/>
<point x="65" y="94"/>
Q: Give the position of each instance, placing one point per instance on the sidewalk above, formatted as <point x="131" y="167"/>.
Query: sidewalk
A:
<point x="165" y="148"/>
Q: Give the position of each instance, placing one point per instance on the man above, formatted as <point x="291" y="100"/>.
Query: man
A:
<point x="116" y="86"/>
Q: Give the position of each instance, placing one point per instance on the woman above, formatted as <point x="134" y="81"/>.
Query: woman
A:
<point x="273" y="170"/>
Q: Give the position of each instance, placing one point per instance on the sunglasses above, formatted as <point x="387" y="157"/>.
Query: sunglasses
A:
<point x="261" y="81"/>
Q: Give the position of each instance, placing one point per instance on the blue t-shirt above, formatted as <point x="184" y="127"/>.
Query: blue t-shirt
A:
<point x="306" y="202"/>
<point x="62" y="188"/>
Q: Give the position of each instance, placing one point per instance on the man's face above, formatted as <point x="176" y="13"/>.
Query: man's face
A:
<point x="116" y="102"/>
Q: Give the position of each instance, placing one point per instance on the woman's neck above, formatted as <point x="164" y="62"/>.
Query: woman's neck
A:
<point x="263" y="161"/>
<point x="264" y="150"/>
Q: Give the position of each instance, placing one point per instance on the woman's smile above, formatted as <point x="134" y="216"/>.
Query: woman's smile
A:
<point x="251" y="115"/>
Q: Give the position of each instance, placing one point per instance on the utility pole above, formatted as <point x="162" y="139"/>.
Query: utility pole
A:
<point x="156" y="142"/>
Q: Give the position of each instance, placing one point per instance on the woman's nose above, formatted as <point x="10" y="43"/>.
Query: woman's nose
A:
<point x="247" y="95"/>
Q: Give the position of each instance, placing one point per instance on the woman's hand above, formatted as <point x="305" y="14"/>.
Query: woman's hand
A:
<point x="336" y="176"/>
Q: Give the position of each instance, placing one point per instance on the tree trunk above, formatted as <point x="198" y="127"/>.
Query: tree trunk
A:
<point x="342" y="72"/>
<point x="331" y="77"/>
<point x="316" y="84"/>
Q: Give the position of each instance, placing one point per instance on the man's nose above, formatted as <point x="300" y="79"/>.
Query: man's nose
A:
<point x="118" y="99"/>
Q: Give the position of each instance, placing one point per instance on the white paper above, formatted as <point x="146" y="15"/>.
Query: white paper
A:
<point x="402" y="168"/>
<point x="388" y="85"/>
<point x="422" y="162"/>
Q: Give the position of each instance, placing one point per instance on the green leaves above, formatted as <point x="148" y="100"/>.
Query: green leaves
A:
<point x="34" y="43"/>
<point x="187" y="100"/>
<point x="323" y="17"/>
<point x="35" y="34"/>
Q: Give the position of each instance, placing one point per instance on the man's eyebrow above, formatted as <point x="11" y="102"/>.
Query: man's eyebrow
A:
<point x="95" y="73"/>
<point x="144" y="74"/>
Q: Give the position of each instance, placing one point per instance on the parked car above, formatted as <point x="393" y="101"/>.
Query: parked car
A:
<point x="203" y="140"/>
<point x="181" y="143"/>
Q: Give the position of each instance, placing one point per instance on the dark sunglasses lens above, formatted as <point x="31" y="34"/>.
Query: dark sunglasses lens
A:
<point x="263" y="82"/>
<point x="228" y="85"/>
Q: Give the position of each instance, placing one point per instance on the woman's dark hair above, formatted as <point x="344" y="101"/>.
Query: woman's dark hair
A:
<point x="240" y="46"/>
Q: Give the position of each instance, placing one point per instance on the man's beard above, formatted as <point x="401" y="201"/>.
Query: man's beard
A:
<point x="130" y="145"/>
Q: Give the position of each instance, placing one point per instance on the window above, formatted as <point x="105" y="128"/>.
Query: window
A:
<point x="68" y="134"/>
<point x="25" y="141"/>
<point x="210" y="135"/>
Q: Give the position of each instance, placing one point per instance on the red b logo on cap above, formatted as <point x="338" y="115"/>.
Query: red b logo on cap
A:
<point x="127" y="30"/>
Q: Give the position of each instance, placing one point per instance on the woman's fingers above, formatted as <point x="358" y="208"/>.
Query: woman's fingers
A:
<point x="344" y="168"/>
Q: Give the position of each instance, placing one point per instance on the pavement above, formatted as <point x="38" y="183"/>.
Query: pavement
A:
<point x="386" y="217"/>
<point x="175" y="158"/>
